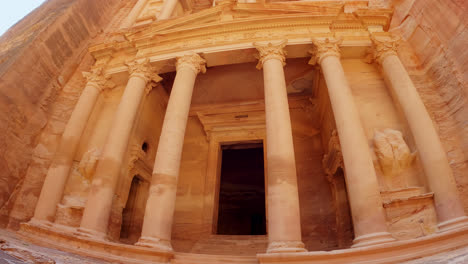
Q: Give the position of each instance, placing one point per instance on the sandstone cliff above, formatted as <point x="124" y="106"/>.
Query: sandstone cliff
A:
<point x="37" y="58"/>
<point x="437" y="60"/>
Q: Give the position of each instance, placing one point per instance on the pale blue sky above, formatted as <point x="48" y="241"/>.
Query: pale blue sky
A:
<point x="12" y="11"/>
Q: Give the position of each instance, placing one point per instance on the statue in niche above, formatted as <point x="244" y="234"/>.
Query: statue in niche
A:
<point x="394" y="157"/>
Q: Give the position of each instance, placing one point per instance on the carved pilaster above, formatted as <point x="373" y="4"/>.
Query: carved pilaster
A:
<point x="98" y="79"/>
<point x="324" y="48"/>
<point x="382" y="48"/>
<point x="193" y="61"/>
<point x="270" y="51"/>
<point x="144" y="70"/>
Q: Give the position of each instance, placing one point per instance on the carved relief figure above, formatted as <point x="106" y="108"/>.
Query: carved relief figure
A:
<point x="394" y="155"/>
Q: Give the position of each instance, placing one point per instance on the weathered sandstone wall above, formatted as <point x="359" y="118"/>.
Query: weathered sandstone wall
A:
<point x="40" y="62"/>
<point x="317" y="210"/>
<point x="436" y="57"/>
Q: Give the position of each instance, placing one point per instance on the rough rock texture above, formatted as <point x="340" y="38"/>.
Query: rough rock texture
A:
<point x="437" y="59"/>
<point x="15" y="251"/>
<point x="37" y="59"/>
<point x="41" y="60"/>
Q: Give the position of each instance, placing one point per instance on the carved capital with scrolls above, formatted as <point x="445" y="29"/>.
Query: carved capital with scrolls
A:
<point x="193" y="61"/>
<point x="144" y="70"/>
<point x="270" y="51"/>
<point x="324" y="48"/>
<point x="382" y="49"/>
<point x="98" y="79"/>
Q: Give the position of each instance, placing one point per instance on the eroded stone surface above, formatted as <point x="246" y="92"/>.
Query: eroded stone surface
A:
<point x="41" y="63"/>
<point x="13" y="250"/>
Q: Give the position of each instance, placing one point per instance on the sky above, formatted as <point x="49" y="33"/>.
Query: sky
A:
<point x="12" y="11"/>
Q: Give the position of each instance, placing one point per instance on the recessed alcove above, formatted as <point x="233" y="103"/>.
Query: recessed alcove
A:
<point x="244" y="82"/>
<point x="132" y="214"/>
<point x="145" y="147"/>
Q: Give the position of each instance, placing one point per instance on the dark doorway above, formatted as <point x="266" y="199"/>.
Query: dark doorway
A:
<point x="129" y="212"/>
<point x="241" y="208"/>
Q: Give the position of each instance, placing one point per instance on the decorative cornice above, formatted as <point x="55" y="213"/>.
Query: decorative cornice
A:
<point x="250" y="23"/>
<point x="144" y="70"/>
<point x="324" y="48"/>
<point x="97" y="79"/>
<point x="192" y="61"/>
<point x="270" y="51"/>
<point x="382" y="48"/>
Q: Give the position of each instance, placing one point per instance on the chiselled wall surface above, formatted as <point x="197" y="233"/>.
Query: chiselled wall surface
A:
<point x="236" y="84"/>
<point x="436" y="57"/>
<point x="41" y="62"/>
<point x="317" y="212"/>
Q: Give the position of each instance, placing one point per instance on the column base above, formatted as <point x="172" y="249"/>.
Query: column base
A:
<point x="373" y="239"/>
<point x="156" y="243"/>
<point x="40" y="223"/>
<point x="285" y="247"/>
<point x="453" y="224"/>
<point x="88" y="233"/>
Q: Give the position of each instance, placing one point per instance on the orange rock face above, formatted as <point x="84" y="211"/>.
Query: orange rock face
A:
<point x="47" y="46"/>
<point x="329" y="90"/>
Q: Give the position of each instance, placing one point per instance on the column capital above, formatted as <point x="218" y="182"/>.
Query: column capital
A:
<point x="193" y="61"/>
<point x="150" y="86"/>
<point x="381" y="48"/>
<point x="144" y="70"/>
<point x="270" y="51"/>
<point x="324" y="48"/>
<point x="98" y="79"/>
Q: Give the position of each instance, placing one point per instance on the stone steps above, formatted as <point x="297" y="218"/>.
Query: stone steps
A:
<point x="189" y="258"/>
<point x="231" y="245"/>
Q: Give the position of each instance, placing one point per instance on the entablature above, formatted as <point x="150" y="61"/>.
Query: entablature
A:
<point x="224" y="33"/>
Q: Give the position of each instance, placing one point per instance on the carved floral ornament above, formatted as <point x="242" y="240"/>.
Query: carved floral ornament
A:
<point x="193" y="61"/>
<point x="382" y="48"/>
<point x="144" y="70"/>
<point x="324" y="48"/>
<point x="270" y="51"/>
<point x="98" y="79"/>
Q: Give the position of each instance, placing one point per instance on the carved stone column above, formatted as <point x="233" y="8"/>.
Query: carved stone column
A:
<point x="57" y="175"/>
<point x="157" y="224"/>
<point x="133" y="15"/>
<point x="98" y="206"/>
<point x="439" y="175"/>
<point x="361" y="181"/>
<point x="284" y="220"/>
<point x="167" y="9"/>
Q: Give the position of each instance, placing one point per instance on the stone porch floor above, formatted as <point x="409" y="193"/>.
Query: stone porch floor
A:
<point x="16" y="251"/>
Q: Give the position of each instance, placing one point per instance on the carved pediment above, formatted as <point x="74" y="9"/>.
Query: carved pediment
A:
<point x="234" y="15"/>
<point x="231" y="23"/>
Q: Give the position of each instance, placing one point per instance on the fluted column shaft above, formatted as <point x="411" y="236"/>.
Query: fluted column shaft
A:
<point x="157" y="223"/>
<point x="450" y="212"/>
<point x="133" y="15"/>
<point x="57" y="175"/>
<point x="361" y="180"/>
<point x="284" y="221"/>
<point x="98" y="206"/>
<point x="167" y="9"/>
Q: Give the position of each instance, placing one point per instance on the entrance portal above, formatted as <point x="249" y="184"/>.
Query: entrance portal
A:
<point x="241" y="208"/>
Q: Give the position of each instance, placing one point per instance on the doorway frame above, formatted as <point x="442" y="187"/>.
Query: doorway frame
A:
<point x="218" y="182"/>
<point x="213" y="173"/>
